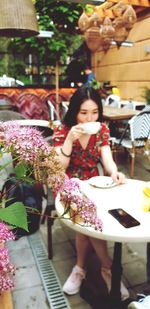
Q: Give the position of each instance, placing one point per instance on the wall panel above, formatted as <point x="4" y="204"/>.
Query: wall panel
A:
<point x="127" y="67"/>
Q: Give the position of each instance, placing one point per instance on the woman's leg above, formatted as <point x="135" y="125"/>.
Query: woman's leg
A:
<point x="83" y="246"/>
<point x="74" y="281"/>
<point x="100" y="247"/>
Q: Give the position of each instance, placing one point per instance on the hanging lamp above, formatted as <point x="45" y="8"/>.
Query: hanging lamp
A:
<point x="18" y="18"/>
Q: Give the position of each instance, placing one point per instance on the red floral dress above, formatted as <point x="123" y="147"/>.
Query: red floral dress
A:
<point x="83" y="162"/>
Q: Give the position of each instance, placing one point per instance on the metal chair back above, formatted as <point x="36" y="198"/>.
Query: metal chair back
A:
<point x="52" y="111"/>
<point x="140" y="128"/>
<point x="32" y="107"/>
<point x="135" y="136"/>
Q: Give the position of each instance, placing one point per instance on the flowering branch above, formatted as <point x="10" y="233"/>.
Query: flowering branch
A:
<point x="82" y="210"/>
<point x="28" y="146"/>
<point x="35" y="160"/>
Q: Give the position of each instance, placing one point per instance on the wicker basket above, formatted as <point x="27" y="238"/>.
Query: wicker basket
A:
<point x="84" y="22"/>
<point x="129" y="17"/>
<point x="93" y="38"/>
<point x="95" y="20"/>
<point x="121" y="35"/>
<point x="119" y="8"/>
<point x="106" y="43"/>
<point x="107" y="30"/>
<point x="18" y="18"/>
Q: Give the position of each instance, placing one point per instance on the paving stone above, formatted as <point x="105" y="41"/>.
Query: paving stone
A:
<point x="23" y="257"/>
<point x="27" y="276"/>
<point x="30" y="298"/>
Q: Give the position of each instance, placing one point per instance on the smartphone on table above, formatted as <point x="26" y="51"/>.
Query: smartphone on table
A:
<point x="123" y="217"/>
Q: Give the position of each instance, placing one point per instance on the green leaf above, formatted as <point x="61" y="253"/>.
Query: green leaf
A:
<point x="23" y="172"/>
<point x="89" y="9"/>
<point x="21" y="169"/>
<point x="15" y="215"/>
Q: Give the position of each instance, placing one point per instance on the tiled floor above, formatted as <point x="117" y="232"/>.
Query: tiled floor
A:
<point x="29" y="291"/>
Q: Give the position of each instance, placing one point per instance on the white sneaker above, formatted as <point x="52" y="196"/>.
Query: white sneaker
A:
<point x="106" y="274"/>
<point x="73" y="283"/>
<point x="143" y="303"/>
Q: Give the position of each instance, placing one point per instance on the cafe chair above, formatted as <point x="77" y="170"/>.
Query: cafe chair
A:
<point x="62" y="106"/>
<point x="53" y="115"/>
<point x="123" y="123"/>
<point x="6" y="115"/>
<point x="49" y="215"/>
<point x="146" y="108"/>
<point x="100" y="168"/>
<point x="135" y="137"/>
<point x="32" y="106"/>
<point x="113" y="101"/>
<point x="6" y="102"/>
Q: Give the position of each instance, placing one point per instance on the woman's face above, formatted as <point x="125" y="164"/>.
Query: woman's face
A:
<point x="88" y="112"/>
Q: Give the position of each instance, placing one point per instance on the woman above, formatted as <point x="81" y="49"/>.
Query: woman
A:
<point x="79" y="153"/>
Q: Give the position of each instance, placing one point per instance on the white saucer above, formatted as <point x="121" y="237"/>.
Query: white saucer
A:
<point x="102" y="182"/>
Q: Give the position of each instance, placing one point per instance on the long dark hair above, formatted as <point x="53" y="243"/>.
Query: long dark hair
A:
<point x="80" y="96"/>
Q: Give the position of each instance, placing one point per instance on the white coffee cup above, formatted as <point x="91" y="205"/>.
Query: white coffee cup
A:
<point x="91" y="127"/>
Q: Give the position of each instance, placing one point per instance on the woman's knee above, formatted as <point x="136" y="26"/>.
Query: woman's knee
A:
<point x="82" y="238"/>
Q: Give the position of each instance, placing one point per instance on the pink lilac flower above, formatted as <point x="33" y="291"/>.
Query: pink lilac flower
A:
<point x="5" y="233"/>
<point x="57" y="184"/>
<point x="5" y="265"/>
<point x="6" y="283"/>
<point x="7" y="269"/>
<point x="72" y="196"/>
<point x="27" y="142"/>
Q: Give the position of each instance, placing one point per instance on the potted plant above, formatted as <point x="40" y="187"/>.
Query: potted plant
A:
<point x="146" y="95"/>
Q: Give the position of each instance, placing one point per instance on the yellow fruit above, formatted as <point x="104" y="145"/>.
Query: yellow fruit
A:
<point x="115" y="90"/>
<point x="146" y="191"/>
<point x="146" y="208"/>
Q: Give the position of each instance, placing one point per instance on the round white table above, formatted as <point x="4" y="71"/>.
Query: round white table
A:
<point x="128" y="196"/>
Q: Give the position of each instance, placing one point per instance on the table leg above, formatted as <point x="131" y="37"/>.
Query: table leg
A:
<point x="148" y="263"/>
<point x="115" y="294"/>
